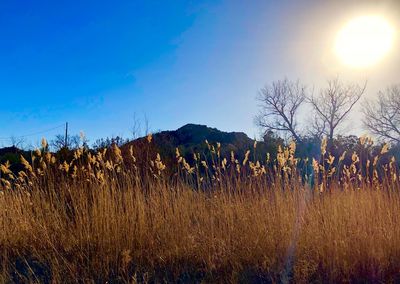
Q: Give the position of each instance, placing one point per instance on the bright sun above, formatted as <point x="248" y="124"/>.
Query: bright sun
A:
<point x="364" y="41"/>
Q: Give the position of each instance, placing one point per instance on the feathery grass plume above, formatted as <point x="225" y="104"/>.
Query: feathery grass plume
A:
<point x="180" y="159"/>
<point x="178" y="156"/>
<point x="44" y="143"/>
<point x="5" y="168"/>
<point x="341" y="158"/>
<point x="213" y="151"/>
<point x="78" y="153"/>
<point x="392" y="168"/>
<point x="324" y="144"/>
<point x="159" y="164"/>
<point x="149" y="137"/>
<point x="6" y="184"/>
<point x="256" y="169"/>
<point x="187" y="167"/>
<point x="99" y="156"/>
<point x="208" y="144"/>
<point x="91" y="158"/>
<point x="246" y="157"/>
<point x="385" y="148"/>
<point x="370" y="141"/>
<point x="26" y="164"/>
<point x="282" y="156"/>
<point x="117" y="153"/>
<point x="315" y="165"/>
<point x="22" y="177"/>
<point x="375" y="161"/>
<point x="74" y="172"/>
<point x="131" y="154"/>
<point x="331" y="172"/>
<point x="224" y="163"/>
<point x="109" y="165"/>
<point x="330" y="160"/>
<point x="43" y="165"/>
<point x="100" y="176"/>
<point x="65" y="166"/>
<point x="292" y="148"/>
<point x="355" y="159"/>
<point x="48" y="157"/>
<point x="38" y="153"/>
<point x="238" y="168"/>
<point x="362" y="140"/>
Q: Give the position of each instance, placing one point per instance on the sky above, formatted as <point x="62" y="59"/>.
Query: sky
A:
<point x="97" y="64"/>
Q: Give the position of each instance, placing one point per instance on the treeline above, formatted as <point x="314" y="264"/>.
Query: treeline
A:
<point x="281" y="102"/>
<point x="283" y="105"/>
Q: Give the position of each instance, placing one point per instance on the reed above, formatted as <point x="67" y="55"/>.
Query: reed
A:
<point x="106" y="216"/>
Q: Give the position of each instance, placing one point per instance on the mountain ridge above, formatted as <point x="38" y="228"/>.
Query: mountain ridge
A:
<point x="191" y="138"/>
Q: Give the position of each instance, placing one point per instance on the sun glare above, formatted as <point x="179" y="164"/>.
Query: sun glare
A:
<point x="364" y="41"/>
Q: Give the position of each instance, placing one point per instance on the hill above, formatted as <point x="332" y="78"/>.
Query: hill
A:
<point x="191" y="138"/>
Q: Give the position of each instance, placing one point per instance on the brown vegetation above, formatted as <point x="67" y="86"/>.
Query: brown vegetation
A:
<point x="108" y="217"/>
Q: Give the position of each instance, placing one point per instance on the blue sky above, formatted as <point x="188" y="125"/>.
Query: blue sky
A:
<point x="97" y="63"/>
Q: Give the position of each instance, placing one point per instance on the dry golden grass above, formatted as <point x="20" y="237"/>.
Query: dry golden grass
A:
<point x="96" y="219"/>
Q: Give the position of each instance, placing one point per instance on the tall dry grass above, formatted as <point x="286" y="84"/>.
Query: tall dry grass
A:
<point x="101" y="218"/>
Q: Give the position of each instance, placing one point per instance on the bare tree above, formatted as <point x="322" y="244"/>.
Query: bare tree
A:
<point x="333" y="105"/>
<point x="316" y="127"/>
<point x="58" y="142"/>
<point x="146" y="125"/>
<point x="17" y="142"/>
<point x="108" y="142"/>
<point x="382" y="117"/>
<point x="136" y="127"/>
<point x="279" y="103"/>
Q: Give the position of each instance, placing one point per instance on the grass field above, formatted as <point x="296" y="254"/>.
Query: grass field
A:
<point x="107" y="217"/>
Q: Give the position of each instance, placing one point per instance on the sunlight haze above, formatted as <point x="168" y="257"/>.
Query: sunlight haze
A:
<point x="364" y="41"/>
